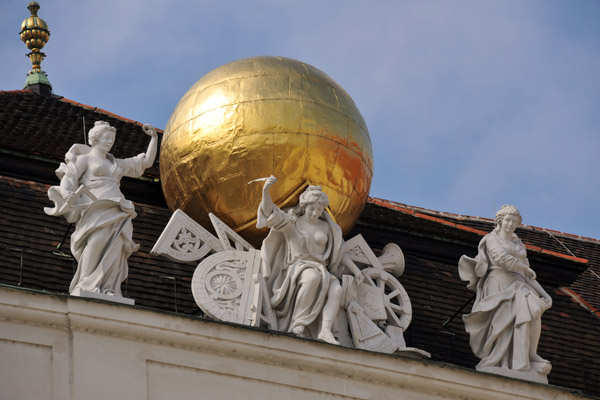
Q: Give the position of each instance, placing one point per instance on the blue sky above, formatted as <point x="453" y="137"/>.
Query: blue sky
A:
<point x="469" y="104"/>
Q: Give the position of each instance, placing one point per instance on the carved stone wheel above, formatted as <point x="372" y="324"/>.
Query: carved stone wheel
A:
<point x="396" y="301"/>
<point x="218" y="284"/>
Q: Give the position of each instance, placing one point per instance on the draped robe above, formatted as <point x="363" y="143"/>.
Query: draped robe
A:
<point x="286" y="253"/>
<point x="506" y="304"/>
<point x="104" y="230"/>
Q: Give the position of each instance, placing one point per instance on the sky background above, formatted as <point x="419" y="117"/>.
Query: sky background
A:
<point x="469" y="104"/>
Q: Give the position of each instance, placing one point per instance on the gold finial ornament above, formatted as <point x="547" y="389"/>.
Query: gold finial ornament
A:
<point x="35" y="34"/>
<point x="258" y="117"/>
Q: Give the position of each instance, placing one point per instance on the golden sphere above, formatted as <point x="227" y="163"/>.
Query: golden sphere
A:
<point x="258" y="117"/>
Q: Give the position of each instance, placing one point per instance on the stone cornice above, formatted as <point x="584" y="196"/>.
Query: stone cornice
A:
<point x="392" y="375"/>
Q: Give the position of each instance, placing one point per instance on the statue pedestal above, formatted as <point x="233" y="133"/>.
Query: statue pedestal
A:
<point x="530" y="375"/>
<point x="114" y="299"/>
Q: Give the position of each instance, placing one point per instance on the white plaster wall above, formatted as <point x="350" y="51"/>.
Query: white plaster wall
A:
<point x="62" y="347"/>
<point x="27" y="372"/>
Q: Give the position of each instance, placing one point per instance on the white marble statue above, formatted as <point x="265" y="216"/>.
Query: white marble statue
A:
<point x="304" y="280"/>
<point x="505" y="321"/>
<point x="302" y="256"/>
<point x="89" y="196"/>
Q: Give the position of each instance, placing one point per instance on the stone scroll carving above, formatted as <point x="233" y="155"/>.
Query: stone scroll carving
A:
<point x="244" y="285"/>
<point x="505" y="321"/>
<point x="90" y="197"/>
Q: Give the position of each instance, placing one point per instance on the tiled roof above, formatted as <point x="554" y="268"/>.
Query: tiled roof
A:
<point x="29" y="240"/>
<point x="36" y="126"/>
<point x="48" y="126"/>
<point x="571" y="336"/>
<point x="562" y="245"/>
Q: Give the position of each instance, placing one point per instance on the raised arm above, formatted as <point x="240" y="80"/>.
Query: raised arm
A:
<point x="152" y="147"/>
<point x="267" y="203"/>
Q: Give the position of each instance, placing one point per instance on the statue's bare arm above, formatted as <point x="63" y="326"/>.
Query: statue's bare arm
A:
<point x="152" y="147"/>
<point x="347" y="262"/>
<point x="267" y="203"/>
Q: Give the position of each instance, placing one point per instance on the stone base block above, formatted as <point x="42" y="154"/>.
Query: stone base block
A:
<point x="530" y="375"/>
<point x="114" y="299"/>
<point x="413" y="352"/>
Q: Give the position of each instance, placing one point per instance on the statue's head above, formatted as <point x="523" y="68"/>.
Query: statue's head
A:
<point x="313" y="195"/>
<point x="507" y="209"/>
<point x="99" y="129"/>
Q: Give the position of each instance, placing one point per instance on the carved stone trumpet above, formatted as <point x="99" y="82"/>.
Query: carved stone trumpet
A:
<point x="392" y="259"/>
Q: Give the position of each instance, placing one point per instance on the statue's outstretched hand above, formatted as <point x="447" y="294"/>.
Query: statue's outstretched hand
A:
<point x="530" y="274"/>
<point x="269" y="182"/>
<point x="347" y="262"/>
<point x="149" y="130"/>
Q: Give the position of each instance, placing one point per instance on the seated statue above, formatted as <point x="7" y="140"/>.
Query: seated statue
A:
<point x="302" y="256"/>
<point x="89" y="196"/>
<point x="505" y="321"/>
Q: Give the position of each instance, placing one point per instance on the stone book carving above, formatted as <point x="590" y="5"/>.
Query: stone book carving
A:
<point x="89" y="196"/>
<point x="505" y="321"/>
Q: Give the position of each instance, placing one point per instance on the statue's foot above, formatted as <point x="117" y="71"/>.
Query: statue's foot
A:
<point x="298" y="331"/>
<point x="536" y="358"/>
<point x="542" y="366"/>
<point x="328" y="337"/>
<point x="109" y="292"/>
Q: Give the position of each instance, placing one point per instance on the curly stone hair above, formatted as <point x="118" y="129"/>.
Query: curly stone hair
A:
<point x="96" y="132"/>
<point x="507" y="209"/>
<point x="312" y="195"/>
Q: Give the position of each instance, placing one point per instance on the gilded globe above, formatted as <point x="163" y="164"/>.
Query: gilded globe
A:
<point x="258" y="117"/>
